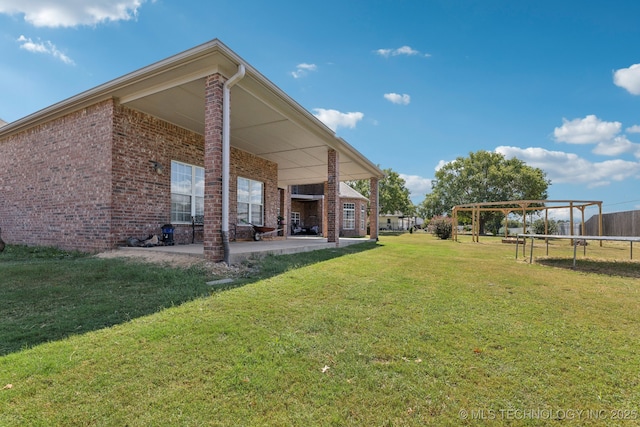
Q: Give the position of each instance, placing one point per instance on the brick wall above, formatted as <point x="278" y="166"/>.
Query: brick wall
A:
<point x="284" y="210"/>
<point x="310" y="213"/>
<point x="85" y="181"/>
<point x="373" y="204"/>
<point x="141" y="196"/>
<point x="55" y="182"/>
<point x="247" y="165"/>
<point x="332" y="199"/>
<point x="357" y="231"/>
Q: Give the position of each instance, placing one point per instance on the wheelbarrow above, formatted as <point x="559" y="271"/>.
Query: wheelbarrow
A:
<point x="259" y="232"/>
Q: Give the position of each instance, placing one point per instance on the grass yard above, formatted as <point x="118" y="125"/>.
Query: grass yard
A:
<point x="413" y="331"/>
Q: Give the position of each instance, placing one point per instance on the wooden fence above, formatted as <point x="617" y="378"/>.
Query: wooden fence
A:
<point x="614" y="224"/>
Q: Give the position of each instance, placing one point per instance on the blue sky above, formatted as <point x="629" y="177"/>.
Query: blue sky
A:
<point x="410" y="84"/>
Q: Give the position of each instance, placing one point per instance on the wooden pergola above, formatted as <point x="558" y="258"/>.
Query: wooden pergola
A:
<point x="521" y="206"/>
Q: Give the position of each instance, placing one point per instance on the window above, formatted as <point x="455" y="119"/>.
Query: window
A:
<point x="295" y="218"/>
<point x="250" y="201"/>
<point x="187" y="191"/>
<point x="349" y="216"/>
<point x="362" y="217"/>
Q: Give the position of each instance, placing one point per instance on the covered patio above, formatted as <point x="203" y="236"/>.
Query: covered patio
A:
<point x="201" y="137"/>
<point x="215" y="93"/>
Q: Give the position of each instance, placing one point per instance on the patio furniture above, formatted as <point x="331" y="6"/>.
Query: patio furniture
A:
<point x="196" y="221"/>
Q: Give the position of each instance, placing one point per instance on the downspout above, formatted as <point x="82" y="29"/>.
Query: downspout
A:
<point x="226" y="149"/>
<point x="378" y="210"/>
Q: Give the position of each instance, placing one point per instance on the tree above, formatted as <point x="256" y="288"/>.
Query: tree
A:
<point x="483" y="177"/>
<point x="393" y="196"/>
<point x="539" y="228"/>
<point x="362" y="186"/>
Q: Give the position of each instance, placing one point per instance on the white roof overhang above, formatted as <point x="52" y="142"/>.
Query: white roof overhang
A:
<point x="264" y="120"/>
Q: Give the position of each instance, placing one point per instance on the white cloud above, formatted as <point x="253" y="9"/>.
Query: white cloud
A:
<point x="303" y="69"/>
<point x="441" y="164"/>
<point x="404" y="50"/>
<point x="570" y="168"/>
<point x="417" y="185"/>
<point x="559" y="214"/>
<point x="589" y="130"/>
<point x="71" y="13"/>
<point x="617" y="146"/>
<point x="592" y="130"/>
<point x="334" y="119"/>
<point x="396" y="98"/>
<point x="628" y="78"/>
<point x="45" y="47"/>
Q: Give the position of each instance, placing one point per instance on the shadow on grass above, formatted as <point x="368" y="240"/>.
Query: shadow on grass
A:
<point x="272" y="265"/>
<point x="610" y="268"/>
<point x="48" y="294"/>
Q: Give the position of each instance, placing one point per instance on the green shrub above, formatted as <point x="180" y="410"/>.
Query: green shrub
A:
<point x="552" y="226"/>
<point x="441" y="226"/>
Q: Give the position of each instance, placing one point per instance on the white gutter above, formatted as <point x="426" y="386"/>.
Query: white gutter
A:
<point x="378" y="210"/>
<point x="226" y="149"/>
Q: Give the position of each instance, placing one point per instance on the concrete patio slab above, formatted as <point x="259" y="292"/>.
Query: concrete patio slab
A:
<point x="241" y="251"/>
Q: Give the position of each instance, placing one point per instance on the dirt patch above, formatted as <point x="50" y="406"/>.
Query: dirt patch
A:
<point x="219" y="269"/>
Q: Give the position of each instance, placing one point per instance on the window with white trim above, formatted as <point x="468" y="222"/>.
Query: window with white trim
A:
<point x="250" y="201"/>
<point x="295" y="218"/>
<point x="187" y="191"/>
<point x="362" y="217"/>
<point x="349" y="216"/>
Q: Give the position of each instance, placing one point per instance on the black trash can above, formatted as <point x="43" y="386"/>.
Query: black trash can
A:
<point x="167" y="234"/>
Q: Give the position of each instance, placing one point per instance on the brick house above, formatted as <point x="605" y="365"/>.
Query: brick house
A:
<point x="307" y="211"/>
<point x="201" y="133"/>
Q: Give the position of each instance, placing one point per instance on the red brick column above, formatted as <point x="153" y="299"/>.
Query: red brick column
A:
<point x="213" y="248"/>
<point x="285" y="210"/>
<point x="333" y="197"/>
<point x="325" y="215"/>
<point x="373" y="203"/>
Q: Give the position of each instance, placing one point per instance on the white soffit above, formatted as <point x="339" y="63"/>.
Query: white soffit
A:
<point x="264" y="120"/>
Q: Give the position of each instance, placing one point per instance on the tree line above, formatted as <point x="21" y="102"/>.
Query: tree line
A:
<point x="482" y="176"/>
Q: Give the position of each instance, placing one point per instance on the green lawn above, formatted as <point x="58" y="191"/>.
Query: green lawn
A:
<point x="412" y="331"/>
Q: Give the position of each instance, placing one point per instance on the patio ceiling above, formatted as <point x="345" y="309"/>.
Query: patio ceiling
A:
<point x="264" y="120"/>
<point x="259" y="126"/>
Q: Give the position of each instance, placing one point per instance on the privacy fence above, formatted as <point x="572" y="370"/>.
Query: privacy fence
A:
<point x="614" y="224"/>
